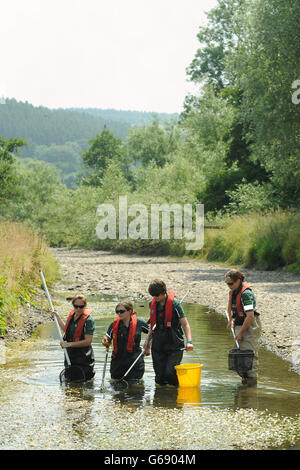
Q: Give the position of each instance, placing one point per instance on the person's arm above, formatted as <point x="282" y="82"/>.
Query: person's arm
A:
<point x="147" y="343"/>
<point x="247" y="322"/>
<point x="60" y="322"/>
<point x="188" y="334"/>
<point x="248" y="302"/>
<point x="83" y="343"/>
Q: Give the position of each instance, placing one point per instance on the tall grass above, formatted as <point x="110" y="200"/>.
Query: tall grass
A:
<point x="22" y="254"/>
<point x="268" y="240"/>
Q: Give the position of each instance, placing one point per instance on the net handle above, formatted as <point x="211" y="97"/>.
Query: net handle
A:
<point x="55" y="319"/>
<point x="232" y="331"/>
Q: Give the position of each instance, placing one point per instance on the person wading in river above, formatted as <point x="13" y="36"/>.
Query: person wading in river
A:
<point x="167" y="320"/>
<point x="125" y="334"/>
<point x="78" y="335"/>
<point x="244" y="318"/>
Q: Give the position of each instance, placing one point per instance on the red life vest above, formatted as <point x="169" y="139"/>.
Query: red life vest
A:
<point x="79" y="328"/>
<point x="168" y="311"/>
<point x="239" y="305"/>
<point x="131" y="335"/>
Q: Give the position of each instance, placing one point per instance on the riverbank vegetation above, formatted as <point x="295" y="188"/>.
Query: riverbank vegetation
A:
<point x="22" y="254"/>
<point x="235" y="149"/>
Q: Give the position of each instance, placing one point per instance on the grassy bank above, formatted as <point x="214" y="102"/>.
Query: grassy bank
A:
<point x="260" y="240"/>
<point x="22" y="254"/>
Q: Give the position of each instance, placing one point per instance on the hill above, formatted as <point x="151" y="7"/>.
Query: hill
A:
<point x="128" y="117"/>
<point x="59" y="136"/>
<point x="44" y="126"/>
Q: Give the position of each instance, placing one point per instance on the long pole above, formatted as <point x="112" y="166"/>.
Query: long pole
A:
<point x="184" y="296"/>
<point x="104" y="368"/>
<point x="232" y="331"/>
<point x="55" y="319"/>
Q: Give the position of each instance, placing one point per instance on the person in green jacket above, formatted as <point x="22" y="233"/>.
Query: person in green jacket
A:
<point x="78" y="335"/>
<point x="168" y="323"/>
<point x="244" y="318"/>
<point x="125" y="335"/>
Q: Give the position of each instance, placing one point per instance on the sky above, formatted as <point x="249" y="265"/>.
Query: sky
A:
<point x="121" y="54"/>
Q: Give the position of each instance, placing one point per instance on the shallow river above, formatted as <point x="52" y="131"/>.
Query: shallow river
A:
<point x="39" y="413"/>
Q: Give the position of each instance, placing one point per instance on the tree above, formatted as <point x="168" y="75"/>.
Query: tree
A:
<point x="152" y="143"/>
<point x="65" y="157"/>
<point x="217" y="40"/>
<point x="8" y="179"/>
<point x="216" y="117"/>
<point x="266" y="64"/>
<point x="103" y="149"/>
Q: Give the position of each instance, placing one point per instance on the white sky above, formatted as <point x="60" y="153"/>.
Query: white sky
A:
<point x="122" y="54"/>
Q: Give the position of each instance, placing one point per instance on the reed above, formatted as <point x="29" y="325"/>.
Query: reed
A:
<point x="268" y="240"/>
<point x="22" y="254"/>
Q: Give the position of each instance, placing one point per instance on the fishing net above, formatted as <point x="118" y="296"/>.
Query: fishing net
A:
<point x="72" y="374"/>
<point x="120" y="385"/>
<point x="240" y="360"/>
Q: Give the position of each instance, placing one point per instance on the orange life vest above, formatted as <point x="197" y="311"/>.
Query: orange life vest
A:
<point x="239" y="305"/>
<point x="131" y="335"/>
<point x="168" y="311"/>
<point x="79" y="328"/>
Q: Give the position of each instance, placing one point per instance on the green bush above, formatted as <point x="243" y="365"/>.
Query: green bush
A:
<point x="268" y="240"/>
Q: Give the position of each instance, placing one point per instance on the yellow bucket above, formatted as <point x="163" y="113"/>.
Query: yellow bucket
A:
<point x="189" y="375"/>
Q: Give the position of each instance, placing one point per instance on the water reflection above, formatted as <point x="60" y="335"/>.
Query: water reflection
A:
<point x="189" y="396"/>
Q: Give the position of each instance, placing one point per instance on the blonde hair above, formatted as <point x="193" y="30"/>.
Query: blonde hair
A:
<point x="79" y="297"/>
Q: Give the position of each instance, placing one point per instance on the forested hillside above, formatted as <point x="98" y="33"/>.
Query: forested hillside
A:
<point x="128" y="117"/>
<point x="44" y="126"/>
<point x="60" y="136"/>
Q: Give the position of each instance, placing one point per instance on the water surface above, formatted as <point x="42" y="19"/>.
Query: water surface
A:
<point x="38" y="413"/>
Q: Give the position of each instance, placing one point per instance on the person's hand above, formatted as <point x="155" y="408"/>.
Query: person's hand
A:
<point x="189" y="347"/>
<point x="54" y="314"/>
<point x="106" y="343"/>
<point x="147" y="349"/>
<point x="230" y="324"/>
<point x="64" y="344"/>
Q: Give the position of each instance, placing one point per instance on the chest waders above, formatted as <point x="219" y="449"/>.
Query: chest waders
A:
<point x="80" y="357"/>
<point x="127" y="358"/>
<point x="167" y="343"/>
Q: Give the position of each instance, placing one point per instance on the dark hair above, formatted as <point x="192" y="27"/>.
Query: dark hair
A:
<point x="157" y="287"/>
<point x="127" y="305"/>
<point x="234" y="274"/>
